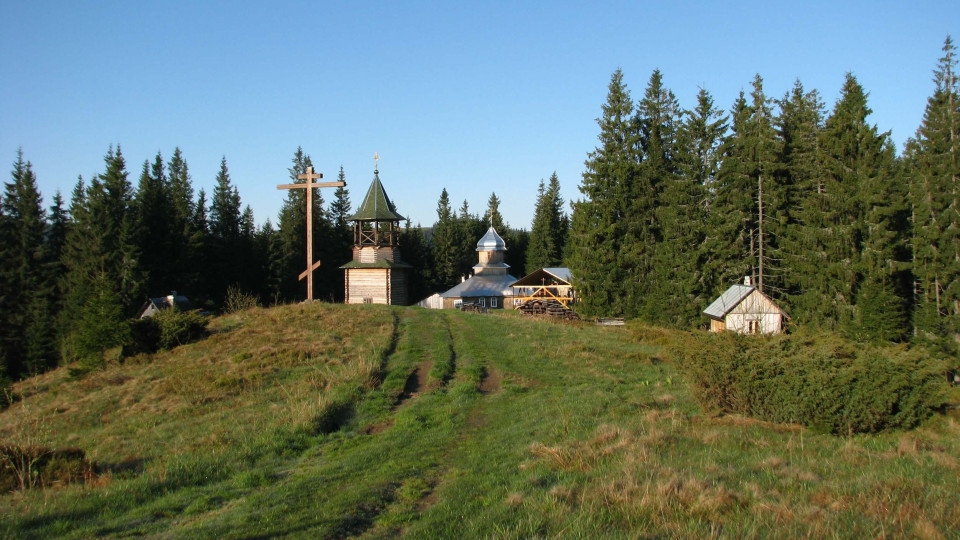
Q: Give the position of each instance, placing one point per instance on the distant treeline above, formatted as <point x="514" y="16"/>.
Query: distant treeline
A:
<point x="815" y="206"/>
<point x="72" y="276"/>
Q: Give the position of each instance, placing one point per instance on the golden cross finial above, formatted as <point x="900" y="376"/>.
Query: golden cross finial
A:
<point x="376" y="161"/>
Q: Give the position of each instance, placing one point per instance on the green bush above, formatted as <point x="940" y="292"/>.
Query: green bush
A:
<point x="825" y="382"/>
<point x="180" y="327"/>
<point x="166" y="329"/>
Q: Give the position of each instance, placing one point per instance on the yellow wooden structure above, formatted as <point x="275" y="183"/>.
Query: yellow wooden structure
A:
<point x="544" y="284"/>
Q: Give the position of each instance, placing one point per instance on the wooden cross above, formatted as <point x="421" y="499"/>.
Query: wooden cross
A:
<point x="309" y="176"/>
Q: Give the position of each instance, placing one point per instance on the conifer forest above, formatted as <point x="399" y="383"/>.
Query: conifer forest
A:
<point x="808" y="199"/>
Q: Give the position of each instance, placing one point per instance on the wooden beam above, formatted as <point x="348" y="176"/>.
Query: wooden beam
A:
<point x="313" y="185"/>
<point x="305" y="272"/>
<point x="310" y="176"/>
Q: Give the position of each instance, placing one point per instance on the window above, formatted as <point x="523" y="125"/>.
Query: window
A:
<point x="368" y="300"/>
<point x="753" y="327"/>
<point x="483" y="302"/>
<point x="493" y="302"/>
<point x="457" y="304"/>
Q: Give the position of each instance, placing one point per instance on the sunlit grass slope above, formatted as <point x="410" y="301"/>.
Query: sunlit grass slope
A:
<point x="367" y="421"/>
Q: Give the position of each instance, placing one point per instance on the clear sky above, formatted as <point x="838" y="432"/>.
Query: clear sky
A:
<point x="477" y="97"/>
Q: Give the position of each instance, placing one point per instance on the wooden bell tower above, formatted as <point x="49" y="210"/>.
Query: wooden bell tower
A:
<point x="377" y="274"/>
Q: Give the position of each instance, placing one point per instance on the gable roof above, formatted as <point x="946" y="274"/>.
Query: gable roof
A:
<point x="548" y="276"/>
<point x="731" y="299"/>
<point x="727" y="301"/>
<point x="376" y="205"/>
<point x="164" y="302"/>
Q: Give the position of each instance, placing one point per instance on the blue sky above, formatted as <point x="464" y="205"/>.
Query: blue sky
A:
<point x="476" y="97"/>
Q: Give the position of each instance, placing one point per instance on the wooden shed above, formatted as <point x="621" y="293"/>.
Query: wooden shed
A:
<point x="154" y="305"/>
<point x="745" y="310"/>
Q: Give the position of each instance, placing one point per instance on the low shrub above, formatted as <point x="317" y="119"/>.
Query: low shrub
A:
<point x="180" y="327"/>
<point x="31" y="467"/>
<point x="239" y="300"/>
<point x="165" y="330"/>
<point x="823" y="381"/>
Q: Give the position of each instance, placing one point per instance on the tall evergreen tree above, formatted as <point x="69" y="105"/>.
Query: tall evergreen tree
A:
<point x="865" y="215"/>
<point x="748" y="200"/>
<point x="27" y="341"/>
<point x="157" y="215"/>
<point x="341" y="247"/>
<point x="549" y="230"/>
<point x="598" y="222"/>
<point x="187" y="240"/>
<point x="803" y="252"/>
<point x="469" y="231"/>
<point x="102" y="275"/>
<point x="416" y="252"/>
<point x="541" y="246"/>
<point x="225" y="236"/>
<point x="492" y="217"/>
<point x="670" y="219"/>
<point x="934" y="189"/>
<point x="444" y="245"/>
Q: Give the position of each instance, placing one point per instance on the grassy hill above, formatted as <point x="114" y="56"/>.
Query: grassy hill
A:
<point x="368" y="421"/>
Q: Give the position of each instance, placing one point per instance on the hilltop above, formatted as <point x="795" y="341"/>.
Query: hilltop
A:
<point x="319" y="420"/>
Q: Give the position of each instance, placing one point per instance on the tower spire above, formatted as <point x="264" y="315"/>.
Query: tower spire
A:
<point x="376" y="162"/>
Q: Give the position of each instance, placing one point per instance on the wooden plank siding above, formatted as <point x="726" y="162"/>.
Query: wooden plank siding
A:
<point x="379" y="285"/>
<point x="755" y="314"/>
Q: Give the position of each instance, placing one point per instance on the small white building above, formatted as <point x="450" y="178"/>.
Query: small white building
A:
<point x="154" y="305"/>
<point x="745" y="310"/>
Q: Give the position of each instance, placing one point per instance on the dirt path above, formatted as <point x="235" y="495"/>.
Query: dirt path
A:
<point x="416" y="382"/>
<point x="490" y="384"/>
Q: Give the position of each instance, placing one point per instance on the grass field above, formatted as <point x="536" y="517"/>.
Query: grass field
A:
<point x="368" y="421"/>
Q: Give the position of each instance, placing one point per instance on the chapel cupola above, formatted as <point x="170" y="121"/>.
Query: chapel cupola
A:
<point x="491" y="250"/>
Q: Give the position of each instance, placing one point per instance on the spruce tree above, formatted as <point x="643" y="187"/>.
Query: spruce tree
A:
<point x="748" y="201"/>
<point x="540" y="248"/>
<point x="187" y="240"/>
<point x="416" y="252"/>
<point x="700" y="139"/>
<point x="444" y="245"/>
<point x="225" y="236"/>
<point x="157" y="218"/>
<point x="341" y="248"/>
<point x="803" y="250"/>
<point x="865" y="215"/>
<point x="28" y="345"/>
<point x="669" y="221"/>
<point x="550" y="227"/>
<point x="469" y="231"/>
<point x="492" y="217"/>
<point x="102" y="280"/>
<point x="934" y="187"/>
<point x="598" y="224"/>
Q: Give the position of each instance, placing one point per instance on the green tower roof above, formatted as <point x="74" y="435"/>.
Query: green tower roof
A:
<point x="376" y="205"/>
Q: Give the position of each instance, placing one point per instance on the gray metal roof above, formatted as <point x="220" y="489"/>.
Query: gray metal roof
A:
<point x="483" y="285"/>
<point x="727" y="301"/>
<point x="537" y="278"/>
<point x="491" y="242"/>
<point x="562" y="273"/>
